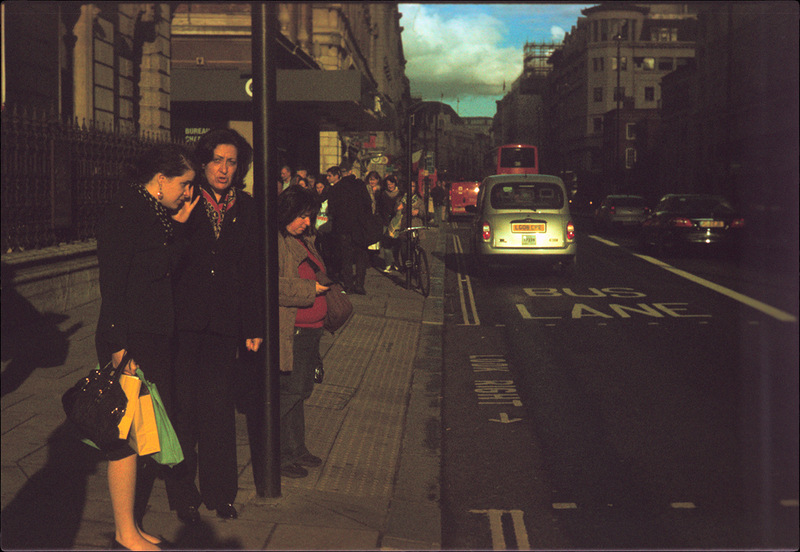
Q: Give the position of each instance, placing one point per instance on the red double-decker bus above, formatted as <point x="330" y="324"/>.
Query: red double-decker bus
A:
<point x="516" y="159"/>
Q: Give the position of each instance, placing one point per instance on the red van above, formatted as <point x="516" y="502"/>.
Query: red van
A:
<point x="461" y="195"/>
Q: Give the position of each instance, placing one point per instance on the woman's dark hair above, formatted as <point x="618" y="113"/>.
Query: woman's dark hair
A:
<point x="391" y="178"/>
<point x="373" y="174"/>
<point x="171" y="160"/>
<point x="294" y="202"/>
<point x="208" y="142"/>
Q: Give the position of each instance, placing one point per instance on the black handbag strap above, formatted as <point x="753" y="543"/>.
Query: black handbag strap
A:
<point x="312" y="264"/>
<point x="122" y="363"/>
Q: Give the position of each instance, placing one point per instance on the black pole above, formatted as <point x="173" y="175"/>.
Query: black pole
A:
<point x="407" y="214"/>
<point x="264" y="29"/>
<point x="618" y="38"/>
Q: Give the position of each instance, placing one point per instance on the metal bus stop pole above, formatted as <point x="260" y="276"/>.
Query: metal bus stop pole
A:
<point x="264" y="30"/>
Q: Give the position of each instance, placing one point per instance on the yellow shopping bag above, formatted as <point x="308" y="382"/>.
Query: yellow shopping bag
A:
<point x="144" y="431"/>
<point x="131" y="385"/>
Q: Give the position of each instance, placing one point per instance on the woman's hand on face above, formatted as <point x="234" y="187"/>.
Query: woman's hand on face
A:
<point x="186" y="207"/>
<point x="253" y="344"/>
<point x="321" y="289"/>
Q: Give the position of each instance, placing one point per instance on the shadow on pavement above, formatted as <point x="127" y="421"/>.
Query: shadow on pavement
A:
<point x="30" y="339"/>
<point x="46" y="513"/>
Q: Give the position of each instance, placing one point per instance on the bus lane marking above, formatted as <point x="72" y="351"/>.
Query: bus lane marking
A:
<point x="617" y="310"/>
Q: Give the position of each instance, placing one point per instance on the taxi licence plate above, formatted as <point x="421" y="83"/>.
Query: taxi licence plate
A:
<point x="711" y="224"/>
<point x="528" y="227"/>
<point x="529" y="239"/>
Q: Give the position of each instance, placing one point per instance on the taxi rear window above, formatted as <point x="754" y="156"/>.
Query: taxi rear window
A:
<point x="525" y="195"/>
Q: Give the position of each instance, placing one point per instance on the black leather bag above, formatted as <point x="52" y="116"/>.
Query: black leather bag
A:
<point x="339" y="306"/>
<point x="97" y="403"/>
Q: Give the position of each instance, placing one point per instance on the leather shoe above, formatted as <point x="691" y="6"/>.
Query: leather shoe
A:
<point x="309" y="460"/>
<point x="294" y="471"/>
<point x="227" y="511"/>
<point x="189" y="515"/>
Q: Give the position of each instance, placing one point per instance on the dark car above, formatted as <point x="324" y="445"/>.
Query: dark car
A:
<point x="680" y="221"/>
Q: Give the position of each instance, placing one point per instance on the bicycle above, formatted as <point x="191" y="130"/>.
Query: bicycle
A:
<point x="416" y="264"/>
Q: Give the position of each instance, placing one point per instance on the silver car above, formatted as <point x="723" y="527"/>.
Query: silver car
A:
<point x="523" y="217"/>
<point x="621" y="211"/>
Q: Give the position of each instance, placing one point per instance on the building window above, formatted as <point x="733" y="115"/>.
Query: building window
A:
<point x="663" y="34"/>
<point x="598" y="64"/>
<point x="630" y="131"/>
<point x="619" y="93"/>
<point x="649" y="94"/>
<point x="623" y="63"/>
<point x="630" y="157"/>
<point x="598" y="94"/>
<point x="665" y="64"/>
<point x="644" y="63"/>
<point x="603" y="30"/>
<point x="682" y="61"/>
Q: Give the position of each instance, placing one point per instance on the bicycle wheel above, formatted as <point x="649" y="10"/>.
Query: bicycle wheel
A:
<point x="423" y="272"/>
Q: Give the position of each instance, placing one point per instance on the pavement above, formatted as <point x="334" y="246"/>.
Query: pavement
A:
<point x="375" y="422"/>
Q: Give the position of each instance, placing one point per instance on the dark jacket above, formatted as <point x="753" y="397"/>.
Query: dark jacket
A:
<point x="218" y="289"/>
<point x="349" y="206"/>
<point x="137" y="263"/>
<point x="387" y="206"/>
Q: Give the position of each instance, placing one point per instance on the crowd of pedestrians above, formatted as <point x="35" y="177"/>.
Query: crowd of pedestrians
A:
<point x="182" y="299"/>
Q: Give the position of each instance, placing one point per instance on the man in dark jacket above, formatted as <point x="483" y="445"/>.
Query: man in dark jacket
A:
<point x="349" y="206"/>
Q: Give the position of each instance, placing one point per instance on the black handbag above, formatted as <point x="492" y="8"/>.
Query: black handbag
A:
<point x="97" y="403"/>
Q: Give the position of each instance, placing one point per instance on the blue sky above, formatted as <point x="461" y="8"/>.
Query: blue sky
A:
<point x="466" y="51"/>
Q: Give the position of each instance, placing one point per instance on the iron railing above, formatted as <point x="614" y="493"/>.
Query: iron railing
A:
<point x="57" y="177"/>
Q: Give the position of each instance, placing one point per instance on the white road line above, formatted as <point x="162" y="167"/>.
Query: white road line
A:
<point x="601" y="240"/>
<point x="683" y="505"/>
<point x="565" y="506"/>
<point x="735" y="295"/>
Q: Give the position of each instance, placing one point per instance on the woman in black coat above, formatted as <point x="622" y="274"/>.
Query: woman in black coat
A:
<point x="218" y="307"/>
<point x="138" y="253"/>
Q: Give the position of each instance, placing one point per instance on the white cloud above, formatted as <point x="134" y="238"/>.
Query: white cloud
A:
<point x="557" y="33"/>
<point x="459" y="56"/>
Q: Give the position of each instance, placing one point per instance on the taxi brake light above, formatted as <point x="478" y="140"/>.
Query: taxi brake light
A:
<point x="570" y="231"/>
<point x="487" y="231"/>
<point x="737" y="223"/>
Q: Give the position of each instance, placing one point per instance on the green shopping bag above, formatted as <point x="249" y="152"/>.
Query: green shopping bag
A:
<point x="171" y="453"/>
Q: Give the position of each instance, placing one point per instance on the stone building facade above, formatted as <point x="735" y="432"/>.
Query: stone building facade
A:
<point x="612" y="60"/>
<point x="105" y="62"/>
<point x="341" y="79"/>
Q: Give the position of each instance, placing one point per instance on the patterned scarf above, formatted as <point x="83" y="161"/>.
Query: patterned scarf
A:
<point x="161" y="211"/>
<point x="216" y="211"/>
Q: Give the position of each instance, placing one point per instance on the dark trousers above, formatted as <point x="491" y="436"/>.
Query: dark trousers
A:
<point x="205" y="421"/>
<point x="326" y="245"/>
<point x="296" y="386"/>
<point x="350" y="253"/>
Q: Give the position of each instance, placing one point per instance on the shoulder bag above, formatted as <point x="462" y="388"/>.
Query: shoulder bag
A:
<point x="339" y="306"/>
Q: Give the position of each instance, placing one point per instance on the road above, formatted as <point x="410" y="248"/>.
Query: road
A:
<point x="636" y="404"/>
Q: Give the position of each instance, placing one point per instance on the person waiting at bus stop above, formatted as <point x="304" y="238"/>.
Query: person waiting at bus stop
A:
<point x="349" y="206"/>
